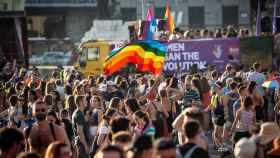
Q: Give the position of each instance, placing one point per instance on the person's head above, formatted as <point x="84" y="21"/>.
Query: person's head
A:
<point x="50" y="86"/>
<point x="11" y="142"/>
<point x="141" y="119"/>
<point x="111" y="86"/>
<point x="245" y="148"/>
<point x="252" y="87"/>
<point x="214" y="75"/>
<point x="119" y="124"/>
<point x="242" y="91"/>
<point x="247" y="103"/>
<point x="194" y="113"/>
<point x="131" y="105"/>
<point x="79" y="89"/>
<point x="110" y="151"/>
<point x="163" y="93"/>
<point x="39" y="110"/>
<point x="70" y="101"/>
<point x="55" y="74"/>
<point x="52" y="116"/>
<point x="80" y="102"/>
<point x="58" y="150"/>
<point x="20" y="100"/>
<point x="99" y="80"/>
<point x="143" y="147"/>
<point x="257" y="67"/>
<point x="68" y="89"/>
<point x="228" y="68"/>
<point x="196" y="83"/>
<point x="165" y="148"/>
<point x="19" y="87"/>
<point x="48" y="100"/>
<point x="64" y="114"/>
<point x="115" y="102"/>
<point x="58" y="82"/>
<point x="151" y="82"/>
<point x="173" y="83"/>
<point x="95" y="102"/>
<point x="188" y="83"/>
<point x="55" y="95"/>
<point x="233" y="86"/>
<point x="122" y="139"/>
<point x="32" y="96"/>
<point x="109" y="114"/>
<point x="218" y="87"/>
<point x="229" y="81"/>
<point x="192" y="129"/>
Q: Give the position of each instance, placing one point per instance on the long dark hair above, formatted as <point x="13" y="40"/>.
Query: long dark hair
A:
<point x="197" y="84"/>
<point x="251" y="87"/>
<point x="144" y="116"/>
<point x="247" y="103"/>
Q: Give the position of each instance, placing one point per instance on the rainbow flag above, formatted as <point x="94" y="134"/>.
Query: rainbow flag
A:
<point x="169" y="18"/>
<point x="148" y="56"/>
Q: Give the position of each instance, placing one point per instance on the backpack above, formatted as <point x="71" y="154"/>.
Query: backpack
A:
<point x="188" y="154"/>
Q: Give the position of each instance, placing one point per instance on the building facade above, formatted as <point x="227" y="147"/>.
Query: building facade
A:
<point x="193" y="13"/>
<point x="72" y="18"/>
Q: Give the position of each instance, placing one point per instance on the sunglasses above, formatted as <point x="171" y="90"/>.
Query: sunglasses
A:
<point x="40" y="110"/>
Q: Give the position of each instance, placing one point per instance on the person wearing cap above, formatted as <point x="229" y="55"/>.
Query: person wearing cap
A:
<point x="269" y="131"/>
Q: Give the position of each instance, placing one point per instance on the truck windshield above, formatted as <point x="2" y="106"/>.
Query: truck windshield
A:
<point x="93" y="53"/>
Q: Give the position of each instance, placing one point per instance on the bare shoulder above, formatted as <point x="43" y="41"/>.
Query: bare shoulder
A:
<point x="58" y="127"/>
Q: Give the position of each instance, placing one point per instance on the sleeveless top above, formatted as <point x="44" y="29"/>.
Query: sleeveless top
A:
<point x="245" y="122"/>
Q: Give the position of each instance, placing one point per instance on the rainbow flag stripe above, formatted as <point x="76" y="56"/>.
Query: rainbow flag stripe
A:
<point x="146" y="55"/>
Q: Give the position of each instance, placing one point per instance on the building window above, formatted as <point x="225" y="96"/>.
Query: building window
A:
<point x="159" y="12"/>
<point x="128" y="14"/>
<point x="230" y="15"/>
<point x="196" y="17"/>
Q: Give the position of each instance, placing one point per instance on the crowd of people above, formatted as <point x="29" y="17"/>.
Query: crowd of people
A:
<point x="138" y="115"/>
<point x="227" y="32"/>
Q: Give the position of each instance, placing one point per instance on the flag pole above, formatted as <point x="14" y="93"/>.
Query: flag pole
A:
<point x="274" y="29"/>
<point x="258" y="20"/>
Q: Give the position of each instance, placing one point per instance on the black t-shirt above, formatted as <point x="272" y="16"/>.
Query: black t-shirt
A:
<point x="198" y="152"/>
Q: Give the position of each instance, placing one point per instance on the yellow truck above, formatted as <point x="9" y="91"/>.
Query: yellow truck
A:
<point x="92" y="56"/>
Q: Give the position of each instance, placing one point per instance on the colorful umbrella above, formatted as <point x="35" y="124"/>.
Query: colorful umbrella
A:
<point x="271" y="84"/>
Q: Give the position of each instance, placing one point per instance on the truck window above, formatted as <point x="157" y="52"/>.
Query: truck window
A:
<point x="83" y="58"/>
<point x="93" y="53"/>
